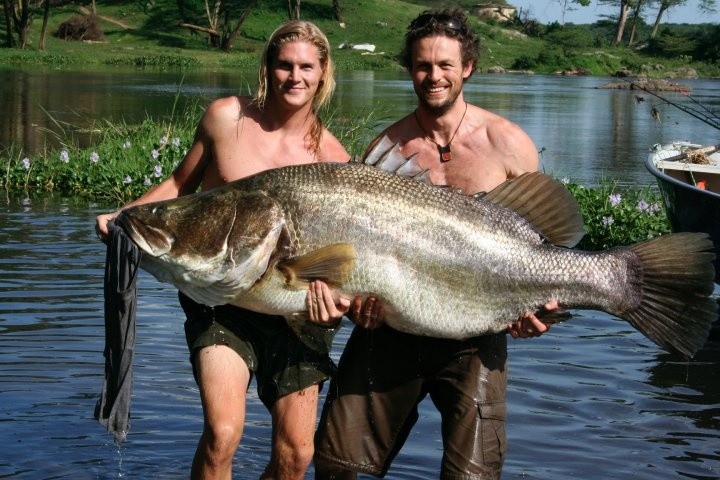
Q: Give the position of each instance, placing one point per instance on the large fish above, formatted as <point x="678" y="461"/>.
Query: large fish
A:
<point x="443" y="264"/>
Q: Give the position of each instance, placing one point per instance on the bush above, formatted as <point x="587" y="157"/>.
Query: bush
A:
<point x="618" y="217"/>
<point x="79" y="28"/>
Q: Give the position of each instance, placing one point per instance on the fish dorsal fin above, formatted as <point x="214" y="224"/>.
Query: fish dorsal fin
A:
<point x="331" y="264"/>
<point x="386" y="155"/>
<point x="544" y="202"/>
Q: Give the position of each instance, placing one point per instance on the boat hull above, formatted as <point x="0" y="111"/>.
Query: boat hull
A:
<point x="689" y="208"/>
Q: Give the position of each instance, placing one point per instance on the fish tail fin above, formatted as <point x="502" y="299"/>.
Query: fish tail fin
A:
<point x="675" y="281"/>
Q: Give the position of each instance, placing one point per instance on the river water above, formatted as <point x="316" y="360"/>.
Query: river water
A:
<point x="591" y="399"/>
<point x="586" y="133"/>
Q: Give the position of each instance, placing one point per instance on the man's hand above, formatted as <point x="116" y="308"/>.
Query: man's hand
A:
<point x="528" y="325"/>
<point x="101" y="225"/>
<point x="369" y="314"/>
<point x="325" y="308"/>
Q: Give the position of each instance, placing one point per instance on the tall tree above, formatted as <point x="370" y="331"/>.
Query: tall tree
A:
<point x="9" y="27"/>
<point x="665" y="5"/>
<point x="337" y="12"/>
<point x="636" y="18"/>
<point x="219" y="17"/>
<point x="569" y="6"/>
<point x="626" y="7"/>
<point x="293" y="7"/>
<point x="43" y="33"/>
<point x="18" y="18"/>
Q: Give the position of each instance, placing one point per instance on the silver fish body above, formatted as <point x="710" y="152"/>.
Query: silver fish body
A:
<point x="443" y="264"/>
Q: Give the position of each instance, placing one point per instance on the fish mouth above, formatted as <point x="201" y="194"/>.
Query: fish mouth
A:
<point x="150" y="240"/>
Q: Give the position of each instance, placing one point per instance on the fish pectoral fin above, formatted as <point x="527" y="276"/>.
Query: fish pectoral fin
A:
<point x="331" y="264"/>
<point x="544" y="202"/>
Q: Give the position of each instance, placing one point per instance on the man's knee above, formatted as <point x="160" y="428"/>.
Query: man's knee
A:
<point x="293" y="456"/>
<point x="222" y="438"/>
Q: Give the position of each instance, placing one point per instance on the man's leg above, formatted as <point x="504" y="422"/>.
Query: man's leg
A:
<point x="223" y="379"/>
<point x="469" y="392"/>
<point x="293" y="418"/>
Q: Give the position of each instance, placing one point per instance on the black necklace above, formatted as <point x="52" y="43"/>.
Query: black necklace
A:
<point x="444" y="151"/>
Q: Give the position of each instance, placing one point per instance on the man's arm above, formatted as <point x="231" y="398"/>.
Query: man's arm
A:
<point x="183" y="180"/>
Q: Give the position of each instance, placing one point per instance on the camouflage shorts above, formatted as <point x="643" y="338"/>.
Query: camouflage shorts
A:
<point x="280" y="362"/>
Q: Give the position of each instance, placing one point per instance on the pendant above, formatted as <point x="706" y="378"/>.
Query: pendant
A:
<point x="445" y="154"/>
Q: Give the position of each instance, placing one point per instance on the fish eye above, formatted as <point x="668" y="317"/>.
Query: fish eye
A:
<point x="159" y="210"/>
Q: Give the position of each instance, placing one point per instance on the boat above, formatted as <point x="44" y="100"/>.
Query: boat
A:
<point x="688" y="177"/>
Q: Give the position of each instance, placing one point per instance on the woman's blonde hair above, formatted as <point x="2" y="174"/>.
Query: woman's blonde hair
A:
<point x="299" y="31"/>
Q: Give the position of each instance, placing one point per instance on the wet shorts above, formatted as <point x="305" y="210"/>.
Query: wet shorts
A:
<point x="383" y="375"/>
<point x="280" y="362"/>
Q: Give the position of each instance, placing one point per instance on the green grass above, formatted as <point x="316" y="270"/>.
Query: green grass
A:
<point x="153" y="40"/>
<point x="126" y="160"/>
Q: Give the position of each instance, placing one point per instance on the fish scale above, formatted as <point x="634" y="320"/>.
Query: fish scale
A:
<point x="443" y="264"/>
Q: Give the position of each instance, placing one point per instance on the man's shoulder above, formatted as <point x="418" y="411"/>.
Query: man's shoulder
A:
<point x="401" y="130"/>
<point x="233" y="106"/>
<point x="331" y="150"/>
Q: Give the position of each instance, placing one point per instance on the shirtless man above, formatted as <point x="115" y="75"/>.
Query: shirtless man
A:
<point x="237" y="137"/>
<point x="375" y="395"/>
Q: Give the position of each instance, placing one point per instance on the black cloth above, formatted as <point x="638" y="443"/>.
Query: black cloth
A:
<point x="120" y="289"/>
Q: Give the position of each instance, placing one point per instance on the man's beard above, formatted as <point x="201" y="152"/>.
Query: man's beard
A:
<point x="438" y="109"/>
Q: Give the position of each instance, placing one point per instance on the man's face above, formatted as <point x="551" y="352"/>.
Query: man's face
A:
<point x="296" y="74"/>
<point x="437" y="72"/>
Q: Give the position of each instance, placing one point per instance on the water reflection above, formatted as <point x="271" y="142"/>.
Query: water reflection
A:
<point x="586" y="133"/>
<point x="591" y="399"/>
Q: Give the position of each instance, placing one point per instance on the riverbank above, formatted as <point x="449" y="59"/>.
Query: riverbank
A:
<point x="127" y="160"/>
<point x="151" y="37"/>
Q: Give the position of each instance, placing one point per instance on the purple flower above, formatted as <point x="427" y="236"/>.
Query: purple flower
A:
<point x="642" y="206"/>
<point x="147" y="182"/>
<point x="64" y="156"/>
<point x="25" y="163"/>
<point x="155" y="154"/>
<point x="176" y="142"/>
<point x="565" y="181"/>
<point x="127" y="179"/>
<point x="127" y="144"/>
<point x="607" y="221"/>
<point x="164" y="140"/>
<point x="94" y="157"/>
<point x="615" y="199"/>
<point x="654" y="208"/>
<point x="158" y="171"/>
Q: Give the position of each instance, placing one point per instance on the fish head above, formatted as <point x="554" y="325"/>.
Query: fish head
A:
<point x="211" y="245"/>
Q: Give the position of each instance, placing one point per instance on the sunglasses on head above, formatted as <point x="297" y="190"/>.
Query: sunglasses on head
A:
<point x="441" y="19"/>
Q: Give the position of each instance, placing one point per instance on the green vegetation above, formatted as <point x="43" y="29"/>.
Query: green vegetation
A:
<point x="615" y="216"/>
<point x="126" y="160"/>
<point x="147" y="34"/>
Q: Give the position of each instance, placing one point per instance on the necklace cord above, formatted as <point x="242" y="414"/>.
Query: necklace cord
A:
<point x="444" y="151"/>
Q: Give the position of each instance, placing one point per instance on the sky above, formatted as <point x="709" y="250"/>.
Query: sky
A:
<point x="548" y="11"/>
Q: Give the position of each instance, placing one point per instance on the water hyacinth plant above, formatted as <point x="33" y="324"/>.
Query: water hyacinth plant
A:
<point x="126" y="160"/>
<point x="121" y="165"/>
<point x="615" y="216"/>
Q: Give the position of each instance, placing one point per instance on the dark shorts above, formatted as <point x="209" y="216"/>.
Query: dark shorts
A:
<point x="383" y="375"/>
<point x="280" y="362"/>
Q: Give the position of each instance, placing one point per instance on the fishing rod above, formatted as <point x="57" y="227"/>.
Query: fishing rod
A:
<point x="713" y="120"/>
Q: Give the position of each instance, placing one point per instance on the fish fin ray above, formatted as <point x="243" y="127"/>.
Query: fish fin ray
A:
<point x="675" y="280"/>
<point x="544" y="202"/>
<point x="386" y="156"/>
<point x="332" y="264"/>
